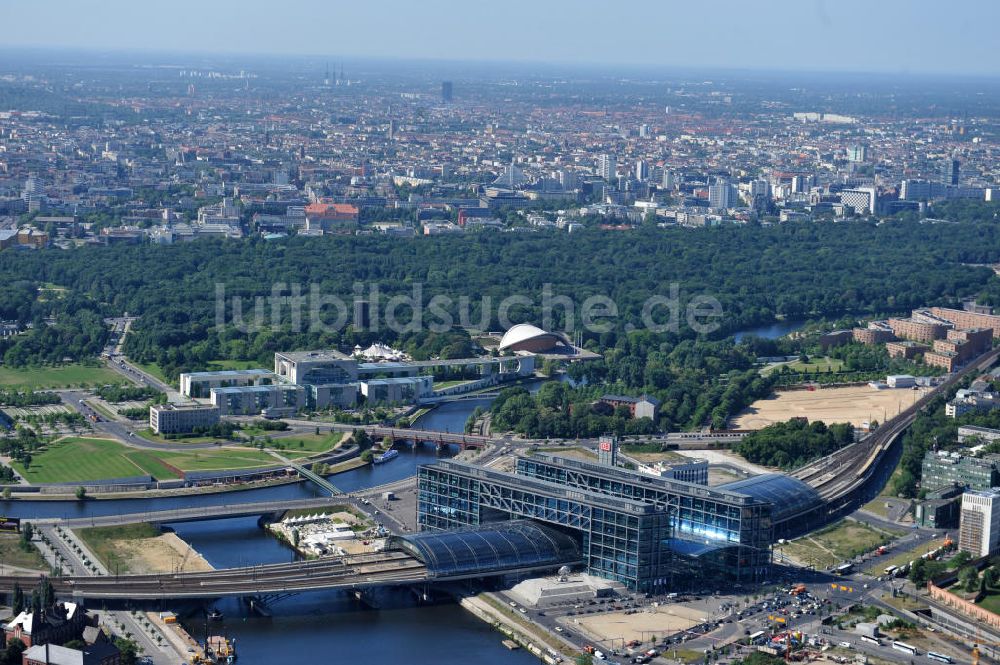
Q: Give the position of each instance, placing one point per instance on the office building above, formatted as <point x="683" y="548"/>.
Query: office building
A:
<point x="950" y="171"/>
<point x="722" y="195"/>
<point x="973" y="434"/>
<point x="272" y="400"/>
<point x="652" y="534"/>
<point x="398" y="390"/>
<point x="944" y="469"/>
<point x="760" y="188"/>
<point x="857" y="153"/>
<point x="200" y="384"/>
<point x="446" y="91"/>
<point x="862" y="199"/>
<point x="940" y="509"/>
<point x="607" y="167"/>
<point x="966" y="401"/>
<point x="641" y="171"/>
<point x="182" y="418"/>
<point x="330" y="377"/>
<point x="331" y="217"/>
<point x="979" y="527"/>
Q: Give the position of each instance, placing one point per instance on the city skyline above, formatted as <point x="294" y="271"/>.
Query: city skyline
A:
<point x="889" y="37"/>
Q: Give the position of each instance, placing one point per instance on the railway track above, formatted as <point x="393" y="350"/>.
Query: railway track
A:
<point x="840" y="474"/>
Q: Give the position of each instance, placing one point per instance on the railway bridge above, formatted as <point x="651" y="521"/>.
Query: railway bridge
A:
<point x="508" y="548"/>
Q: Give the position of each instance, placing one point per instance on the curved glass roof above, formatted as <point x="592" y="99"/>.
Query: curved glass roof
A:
<point x="491" y="548"/>
<point x="788" y="495"/>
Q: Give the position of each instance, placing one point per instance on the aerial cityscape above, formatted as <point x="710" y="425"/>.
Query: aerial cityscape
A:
<point x="440" y="334"/>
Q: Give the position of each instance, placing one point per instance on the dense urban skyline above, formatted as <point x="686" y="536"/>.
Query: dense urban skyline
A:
<point x="893" y="36"/>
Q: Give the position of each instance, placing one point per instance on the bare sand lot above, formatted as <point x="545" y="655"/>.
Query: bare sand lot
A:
<point x="642" y="625"/>
<point x="163" y="554"/>
<point x="851" y="404"/>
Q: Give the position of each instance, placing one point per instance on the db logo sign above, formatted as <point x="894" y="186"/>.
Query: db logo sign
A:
<point x="606" y="446"/>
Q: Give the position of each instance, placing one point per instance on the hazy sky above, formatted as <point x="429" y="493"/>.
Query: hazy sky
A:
<point x="916" y="36"/>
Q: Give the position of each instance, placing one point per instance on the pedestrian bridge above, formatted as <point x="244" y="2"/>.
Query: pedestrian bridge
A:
<point x="515" y="547"/>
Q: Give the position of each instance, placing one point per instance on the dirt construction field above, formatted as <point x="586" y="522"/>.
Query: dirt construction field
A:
<point x="663" y="621"/>
<point x="852" y="404"/>
<point x="163" y="554"/>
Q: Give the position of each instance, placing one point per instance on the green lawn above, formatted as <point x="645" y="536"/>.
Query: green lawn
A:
<point x="150" y="435"/>
<point x="58" y="376"/>
<point x="991" y="601"/>
<point x="12" y="554"/>
<point x="309" y="443"/>
<point x="815" y="364"/>
<point x="214" y="460"/>
<point x="79" y="460"/>
<point x="836" y="543"/>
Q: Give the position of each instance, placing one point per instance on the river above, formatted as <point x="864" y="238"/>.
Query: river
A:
<point x="770" y="330"/>
<point x="324" y="626"/>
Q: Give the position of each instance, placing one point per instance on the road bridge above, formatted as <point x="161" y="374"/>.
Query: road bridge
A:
<point x="195" y="514"/>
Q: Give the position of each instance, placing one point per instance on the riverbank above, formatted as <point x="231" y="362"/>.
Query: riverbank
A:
<point x="540" y="642"/>
<point x="344" y="459"/>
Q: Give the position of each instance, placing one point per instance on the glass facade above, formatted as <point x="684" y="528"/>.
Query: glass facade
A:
<point x="502" y="546"/>
<point x="650" y="533"/>
<point x="737" y="527"/>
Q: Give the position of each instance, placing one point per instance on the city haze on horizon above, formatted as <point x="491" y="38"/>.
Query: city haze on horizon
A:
<point x="847" y="36"/>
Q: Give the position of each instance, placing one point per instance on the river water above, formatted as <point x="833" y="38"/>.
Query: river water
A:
<point x="769" y="331"/>
<point x="322" y="627"/>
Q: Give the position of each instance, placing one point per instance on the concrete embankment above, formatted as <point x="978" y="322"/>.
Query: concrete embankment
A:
<point x="546" y="646"/>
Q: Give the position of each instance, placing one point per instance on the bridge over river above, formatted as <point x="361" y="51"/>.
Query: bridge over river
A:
<point x="515" y="547"/>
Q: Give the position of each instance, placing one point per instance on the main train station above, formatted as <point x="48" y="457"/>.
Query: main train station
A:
<point x="652" y="534"/>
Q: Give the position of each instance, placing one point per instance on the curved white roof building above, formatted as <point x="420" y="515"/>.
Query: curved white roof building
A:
<point x="526" y="337"/>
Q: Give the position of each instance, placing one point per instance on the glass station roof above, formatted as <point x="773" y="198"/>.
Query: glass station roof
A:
<point x="491" y="548"/>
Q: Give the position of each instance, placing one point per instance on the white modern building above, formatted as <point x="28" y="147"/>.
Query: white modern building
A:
<point x="862" y="199"/>
<point x="398" y="390"/>
<point x="282" y="399"/>
<point x="607" y="166"/>
<point x="979" y="529"/>
<point x="722" y="195"/>
<point x="181" y="418"/>
<point x="200" y="384"/>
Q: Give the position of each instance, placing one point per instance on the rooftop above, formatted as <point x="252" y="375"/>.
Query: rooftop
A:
<point x="239" y="390"/>
<point x="312" y="356"/>
<point x="720" y="493"/>
<point x="788" y="495"/>
<point x="487" y="548"/>
<point x="229" y="372"/>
